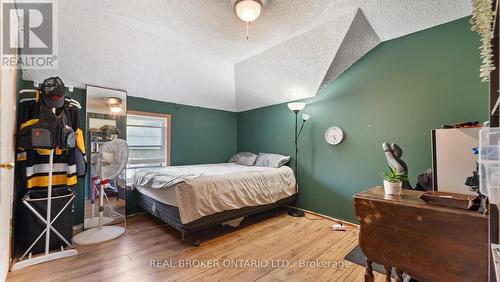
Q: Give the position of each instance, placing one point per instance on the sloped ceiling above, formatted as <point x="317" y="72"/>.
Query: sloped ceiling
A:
<point x="359" y="40"/>
<point x="291" y="70"/>
<point x="194" y="52"/>
<point x="298" y="67"/>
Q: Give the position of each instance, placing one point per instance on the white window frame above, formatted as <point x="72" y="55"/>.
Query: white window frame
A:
<point x="166" y="134"/>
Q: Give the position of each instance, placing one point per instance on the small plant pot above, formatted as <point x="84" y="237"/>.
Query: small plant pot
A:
<point x="392" y="188"/>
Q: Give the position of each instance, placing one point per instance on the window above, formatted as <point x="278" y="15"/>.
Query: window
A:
<point x="148" y="137"/>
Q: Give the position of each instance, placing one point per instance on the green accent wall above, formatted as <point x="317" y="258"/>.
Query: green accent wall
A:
<point x="398" y="92"/>
<point x="198" y="135"/>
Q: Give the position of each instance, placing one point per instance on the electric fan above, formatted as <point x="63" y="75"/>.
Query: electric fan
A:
<point x="111" y="161"/>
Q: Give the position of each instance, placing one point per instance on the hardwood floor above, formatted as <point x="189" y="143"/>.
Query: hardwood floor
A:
<point x="256" y="251"/>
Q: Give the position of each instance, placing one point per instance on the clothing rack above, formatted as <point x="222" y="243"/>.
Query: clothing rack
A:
<point x="47" y="256"/>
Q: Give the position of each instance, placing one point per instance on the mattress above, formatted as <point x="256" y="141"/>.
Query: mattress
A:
<point x="202" y="190"/>
<point x="164" y="195"/>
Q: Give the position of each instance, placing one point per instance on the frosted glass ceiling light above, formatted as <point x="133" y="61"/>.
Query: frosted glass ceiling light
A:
<point x="115" y="109"/>
<point x="248" y="10"/>
<point x="115" y="105"/>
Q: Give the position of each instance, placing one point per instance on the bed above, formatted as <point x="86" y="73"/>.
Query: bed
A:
<point x="195" y="197"/>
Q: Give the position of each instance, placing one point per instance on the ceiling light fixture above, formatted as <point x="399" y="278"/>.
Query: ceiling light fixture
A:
<point x="248" y="10"/>
<point x="115" y="105"/>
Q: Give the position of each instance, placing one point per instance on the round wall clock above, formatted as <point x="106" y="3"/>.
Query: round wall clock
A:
<point x="334" y="135"/>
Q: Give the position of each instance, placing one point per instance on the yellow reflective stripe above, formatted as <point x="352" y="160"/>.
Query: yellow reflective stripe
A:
<point x="80" y="144"/>
<point x="21" y="156"/>
<point x="37" y="95"/>
<point x="46" y="152"/>
<point x="43" y="181"/>
<point x="29" y="122"/>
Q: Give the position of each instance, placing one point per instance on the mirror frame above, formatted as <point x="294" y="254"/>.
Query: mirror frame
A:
<point x="110" y="93"/>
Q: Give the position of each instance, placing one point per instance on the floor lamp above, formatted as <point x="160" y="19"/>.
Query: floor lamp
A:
<point x="296" y="107"/>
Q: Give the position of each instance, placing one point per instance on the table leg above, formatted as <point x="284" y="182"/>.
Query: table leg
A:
<point x="368" y="271"/>
<point x="399" y="275"/>
<point x="388" y="272"/>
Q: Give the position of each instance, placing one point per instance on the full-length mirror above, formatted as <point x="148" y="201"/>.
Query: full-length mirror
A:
<point x="105" y="191"/>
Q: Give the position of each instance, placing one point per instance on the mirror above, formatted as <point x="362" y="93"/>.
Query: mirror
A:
<point x="106" y="121"/>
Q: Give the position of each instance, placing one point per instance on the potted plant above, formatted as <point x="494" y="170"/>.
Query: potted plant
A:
<point x="393" y="181"/>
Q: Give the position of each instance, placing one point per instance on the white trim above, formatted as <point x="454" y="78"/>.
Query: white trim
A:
<point x="165" y="138"/>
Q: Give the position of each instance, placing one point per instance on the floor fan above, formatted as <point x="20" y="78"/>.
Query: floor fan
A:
<point x="111" y="161"/>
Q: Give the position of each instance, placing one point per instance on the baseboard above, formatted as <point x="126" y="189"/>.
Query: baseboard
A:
<point x="347" y="223"/>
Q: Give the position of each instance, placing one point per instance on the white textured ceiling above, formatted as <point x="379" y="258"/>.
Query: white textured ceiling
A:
<point x="297" y="68"/>
<point x="194" y="52"/>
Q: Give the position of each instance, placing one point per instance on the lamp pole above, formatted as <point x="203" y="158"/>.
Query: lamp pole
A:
<point x="296" y="212"/>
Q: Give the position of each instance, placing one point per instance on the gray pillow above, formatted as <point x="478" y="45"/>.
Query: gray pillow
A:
<point x="271" y="160"/>
<point x="243" y="158"/>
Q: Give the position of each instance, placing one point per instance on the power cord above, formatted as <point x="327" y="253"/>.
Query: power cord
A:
<point x="305" y="214"/>
<point x="338" y="226"/>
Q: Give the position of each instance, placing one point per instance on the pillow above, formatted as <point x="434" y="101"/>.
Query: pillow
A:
<point x="243" y="158"/>
<point x="271" y="160"/>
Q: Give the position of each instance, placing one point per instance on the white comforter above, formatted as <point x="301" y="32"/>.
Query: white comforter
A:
<point x="208" y="189"/>
<point x="163" y="177"/>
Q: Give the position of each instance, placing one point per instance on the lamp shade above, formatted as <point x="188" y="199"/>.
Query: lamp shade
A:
<point x="248" y="10"/>
<point x="296" y="106"/>
<point x="306" y="116"/>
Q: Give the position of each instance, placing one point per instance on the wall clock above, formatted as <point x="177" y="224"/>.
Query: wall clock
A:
<point x="334" y="135"/>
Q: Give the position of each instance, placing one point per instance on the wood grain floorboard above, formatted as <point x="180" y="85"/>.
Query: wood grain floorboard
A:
<point x="265" y="248"/>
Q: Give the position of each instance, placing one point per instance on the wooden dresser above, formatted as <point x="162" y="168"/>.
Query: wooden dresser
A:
<point x="428" y="242"/>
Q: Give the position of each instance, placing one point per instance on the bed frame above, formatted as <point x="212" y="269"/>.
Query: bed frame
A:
<point x="170" y="215"/>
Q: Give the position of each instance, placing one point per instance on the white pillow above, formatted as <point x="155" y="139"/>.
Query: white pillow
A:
<point x="243" y="158"/>
<point x="271" y="160"/>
